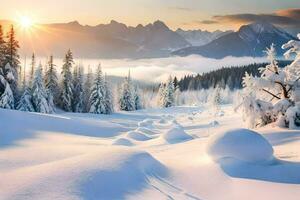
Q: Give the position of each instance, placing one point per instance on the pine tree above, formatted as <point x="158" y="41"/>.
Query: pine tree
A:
<point x="137" y="98"/>
<point x="161" y="94"/>
<point x="51" y="81"/>
<point x="67" y="85"/>
<point x="78" y="94"/>
<point x="25" y="102"/>
<point x="87" y="89"/>
<point x="12" y="57"/>
<point x="216" y="98"/>
<point x="109" y="104"/>
<point x="97" y="98"/>
<point x="6" y="99"/>
<point x="32" y="69"/>
<point x="39" y="94"/>
<point x="177" y="96"/>
<point x="2" y="49"/>
<point x="126" y="100"/>
<point x="169" y="98"/>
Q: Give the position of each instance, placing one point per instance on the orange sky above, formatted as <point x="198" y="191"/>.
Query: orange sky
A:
<point x="188" y="14"/>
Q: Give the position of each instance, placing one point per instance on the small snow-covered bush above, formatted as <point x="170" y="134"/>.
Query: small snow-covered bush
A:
<point x="274" y="96"/>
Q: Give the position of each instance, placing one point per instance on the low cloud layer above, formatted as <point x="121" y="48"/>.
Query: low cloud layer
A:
<point x="158" y="69"/>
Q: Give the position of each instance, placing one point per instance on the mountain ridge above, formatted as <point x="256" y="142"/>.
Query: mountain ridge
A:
<point x="250" y="40"/>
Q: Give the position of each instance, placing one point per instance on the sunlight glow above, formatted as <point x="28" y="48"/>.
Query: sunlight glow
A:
<point x="25" y="22"/>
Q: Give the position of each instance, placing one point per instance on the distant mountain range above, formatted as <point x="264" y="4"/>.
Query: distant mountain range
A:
<point x="249" y="40"/>
<point x="199" y="37"/>
<point x="117" y="40"/>
<point x="113" y="40"/>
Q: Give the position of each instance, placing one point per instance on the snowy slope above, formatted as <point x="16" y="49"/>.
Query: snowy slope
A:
<point x="147" y="154"/>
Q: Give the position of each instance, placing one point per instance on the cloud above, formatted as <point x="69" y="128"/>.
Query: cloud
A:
<point x="180" y="8"/>
<point x="206" y="22"/>
<point x="286" y="17"/>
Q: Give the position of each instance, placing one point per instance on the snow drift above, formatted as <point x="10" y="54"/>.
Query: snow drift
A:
<point x="240" y="144"/>
<point x="176" y="135"/>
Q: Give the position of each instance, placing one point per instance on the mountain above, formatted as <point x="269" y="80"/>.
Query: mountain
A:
<point x="113" y="40"/>
<point x="249" y="40"/>
<point x="199" y="37"/>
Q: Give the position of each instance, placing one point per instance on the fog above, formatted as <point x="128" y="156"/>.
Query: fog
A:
<point x="158" y="69"/>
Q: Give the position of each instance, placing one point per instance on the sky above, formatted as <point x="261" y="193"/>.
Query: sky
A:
<point x="187" y="14"/>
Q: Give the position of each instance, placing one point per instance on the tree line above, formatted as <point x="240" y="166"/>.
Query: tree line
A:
<point x="231" y="77"/>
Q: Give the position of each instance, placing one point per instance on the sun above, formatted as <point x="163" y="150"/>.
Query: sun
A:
<point x="25" y="22"/>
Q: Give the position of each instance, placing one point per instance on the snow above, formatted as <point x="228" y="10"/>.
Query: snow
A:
<point x="176" y="134"/>
<point x="240" y="144"/>
<point x="123" y="142"/>
<point x="136" y="135"/>
<point x="88" y="156"/>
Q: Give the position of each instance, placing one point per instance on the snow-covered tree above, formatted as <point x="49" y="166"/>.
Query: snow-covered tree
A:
<point x="25" y="102"/>
<point x="137" y="98"/>
<point x="161" y="94"/>
<point x="12" y="57"/>
<point x="126" y="100"/>
<point x="40" y="97"/>
<point x="269" y="98"/>
<point x="215" y="98"/>
<point x="78" y="94"/>
<point x="32" y="69"/>
<point x="67" y="84"/>
<point x="87" y="89"/>
<point x="177" y="96"/>
<point x="169" y="99"/>
<point x="97" y="98"/>
<point x="2" y="49"/>
<point x="7" y="100"/>
<point x="109" y="104"/>
<point x="51" y="81"/>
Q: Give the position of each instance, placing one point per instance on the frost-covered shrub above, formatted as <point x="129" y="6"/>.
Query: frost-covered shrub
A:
<point x="274" y="96"/>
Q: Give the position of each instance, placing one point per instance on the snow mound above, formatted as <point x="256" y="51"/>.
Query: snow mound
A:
<point x="136" y="135"/>
<point x="130" y="174"/>
<point x="190" y="118"/>
<point x="176" y="135"/>
<point x="146" y="131"/>
<point x="240" y="144"/>
<point x="146" y="123"/>
<point x="123" y="142"/>
<point x="162" y="121"/>
<point x="168" y="117"/>
<point x="214" y="123"/>
<point x="174" y="121"/>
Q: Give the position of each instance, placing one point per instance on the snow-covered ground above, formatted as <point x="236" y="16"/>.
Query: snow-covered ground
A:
<point x="174" y="153"/>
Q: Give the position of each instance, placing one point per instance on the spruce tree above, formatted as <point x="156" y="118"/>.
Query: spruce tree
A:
<point x="6" y="99"/>
<point x="109" y="104"/>
<point x="25" y="102"/>
<point x="66" y="84"/>
<point x="2" y="49"/>
<point x="32" y="69"/>
<point x="78" y="94"/>
<point x="87" y="89"/>
<point x="51" y="81"/>
<point x="126" y="101"/>
<point x="39" y="93"/>
<point x="169" y="98"/>
<point x="161" y="94"/>
<point x="97" y="98"/>
<point x="137" y="98"/>
<point x="12" y="57"/>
